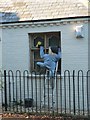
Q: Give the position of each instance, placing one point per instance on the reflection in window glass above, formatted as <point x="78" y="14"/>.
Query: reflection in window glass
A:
<point x="53" y="41"/>
<point x="36" y="55"/>
<point x="38" y="39"/>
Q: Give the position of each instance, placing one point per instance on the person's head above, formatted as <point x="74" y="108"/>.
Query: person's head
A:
<point x="53" y="49"/>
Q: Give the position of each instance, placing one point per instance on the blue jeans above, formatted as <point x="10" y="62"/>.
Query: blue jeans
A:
<point x="43" y="65"/>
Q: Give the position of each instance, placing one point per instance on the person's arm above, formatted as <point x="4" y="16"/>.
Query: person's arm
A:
<point x="41" y="51"/>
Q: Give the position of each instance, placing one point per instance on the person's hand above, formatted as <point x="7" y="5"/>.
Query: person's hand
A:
<point x="38" y="44"/>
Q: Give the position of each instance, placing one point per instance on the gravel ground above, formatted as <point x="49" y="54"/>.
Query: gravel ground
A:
<point x="9" y="116"/>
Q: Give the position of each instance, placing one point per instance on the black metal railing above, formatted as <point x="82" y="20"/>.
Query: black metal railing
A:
<point x="24" y="92"/>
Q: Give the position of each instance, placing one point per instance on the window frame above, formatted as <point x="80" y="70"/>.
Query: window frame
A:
<point x="46" y="36"/>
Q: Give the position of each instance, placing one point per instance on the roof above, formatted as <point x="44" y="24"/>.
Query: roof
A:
<point x="24" y="10"/>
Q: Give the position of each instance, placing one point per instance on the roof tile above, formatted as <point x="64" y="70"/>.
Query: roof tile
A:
<point x="19" y="10"/>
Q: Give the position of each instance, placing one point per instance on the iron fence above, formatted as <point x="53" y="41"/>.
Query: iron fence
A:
<point x="24" y="92"/>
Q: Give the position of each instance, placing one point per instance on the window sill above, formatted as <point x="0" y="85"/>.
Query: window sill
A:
<point x="34" y="48"/>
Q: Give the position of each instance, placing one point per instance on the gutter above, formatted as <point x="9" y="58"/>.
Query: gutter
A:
<point x="47" y="20"/>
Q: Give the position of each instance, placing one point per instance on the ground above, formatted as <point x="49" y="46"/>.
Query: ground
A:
<point x="11" y="116"/>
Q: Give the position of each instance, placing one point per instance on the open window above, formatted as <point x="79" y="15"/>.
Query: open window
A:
<point x="47" y="39"/>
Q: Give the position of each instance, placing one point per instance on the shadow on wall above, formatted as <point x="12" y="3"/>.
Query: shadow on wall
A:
<point x="8" y="17"/>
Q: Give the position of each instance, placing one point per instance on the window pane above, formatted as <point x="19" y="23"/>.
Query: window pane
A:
<point x="53" y="41"/>
<point x="37" y="39"/>
<point x="36" y="55"/>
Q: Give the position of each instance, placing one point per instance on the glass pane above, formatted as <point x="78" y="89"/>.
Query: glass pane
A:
<point x="37" y="55"/>
<point x="37" y="39"/>
<point x="53" y="41"/>
<point x="37" y="58"/>
<point x="35" y="64"/>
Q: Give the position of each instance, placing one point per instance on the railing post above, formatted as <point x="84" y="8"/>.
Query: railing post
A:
<point x="5" y="90"/>
<point x="88" y="93"/>
<point x="74" y="91"/>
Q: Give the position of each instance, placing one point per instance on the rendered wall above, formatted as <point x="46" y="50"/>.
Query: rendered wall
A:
<point x="0" y="48"/>
<point x="15" y="45"/>
<point x="16" y="54"/>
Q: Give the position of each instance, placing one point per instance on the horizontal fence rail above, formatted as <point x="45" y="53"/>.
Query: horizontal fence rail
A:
<point x="24" y="92"/>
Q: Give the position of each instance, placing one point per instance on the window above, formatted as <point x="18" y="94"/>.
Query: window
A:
<point x="47" y="39"/>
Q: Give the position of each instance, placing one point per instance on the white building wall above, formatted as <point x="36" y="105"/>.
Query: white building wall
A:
<point x="0" y="67"/>
<point x="89" y="60"/>
<point x="0" y="48"/>
<point x="16" y="46"/>
<point x="88" y="45"/>
<point x="74" y="50"/>
<point x="15" y="49"/>
<point x="15" y="54"/>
